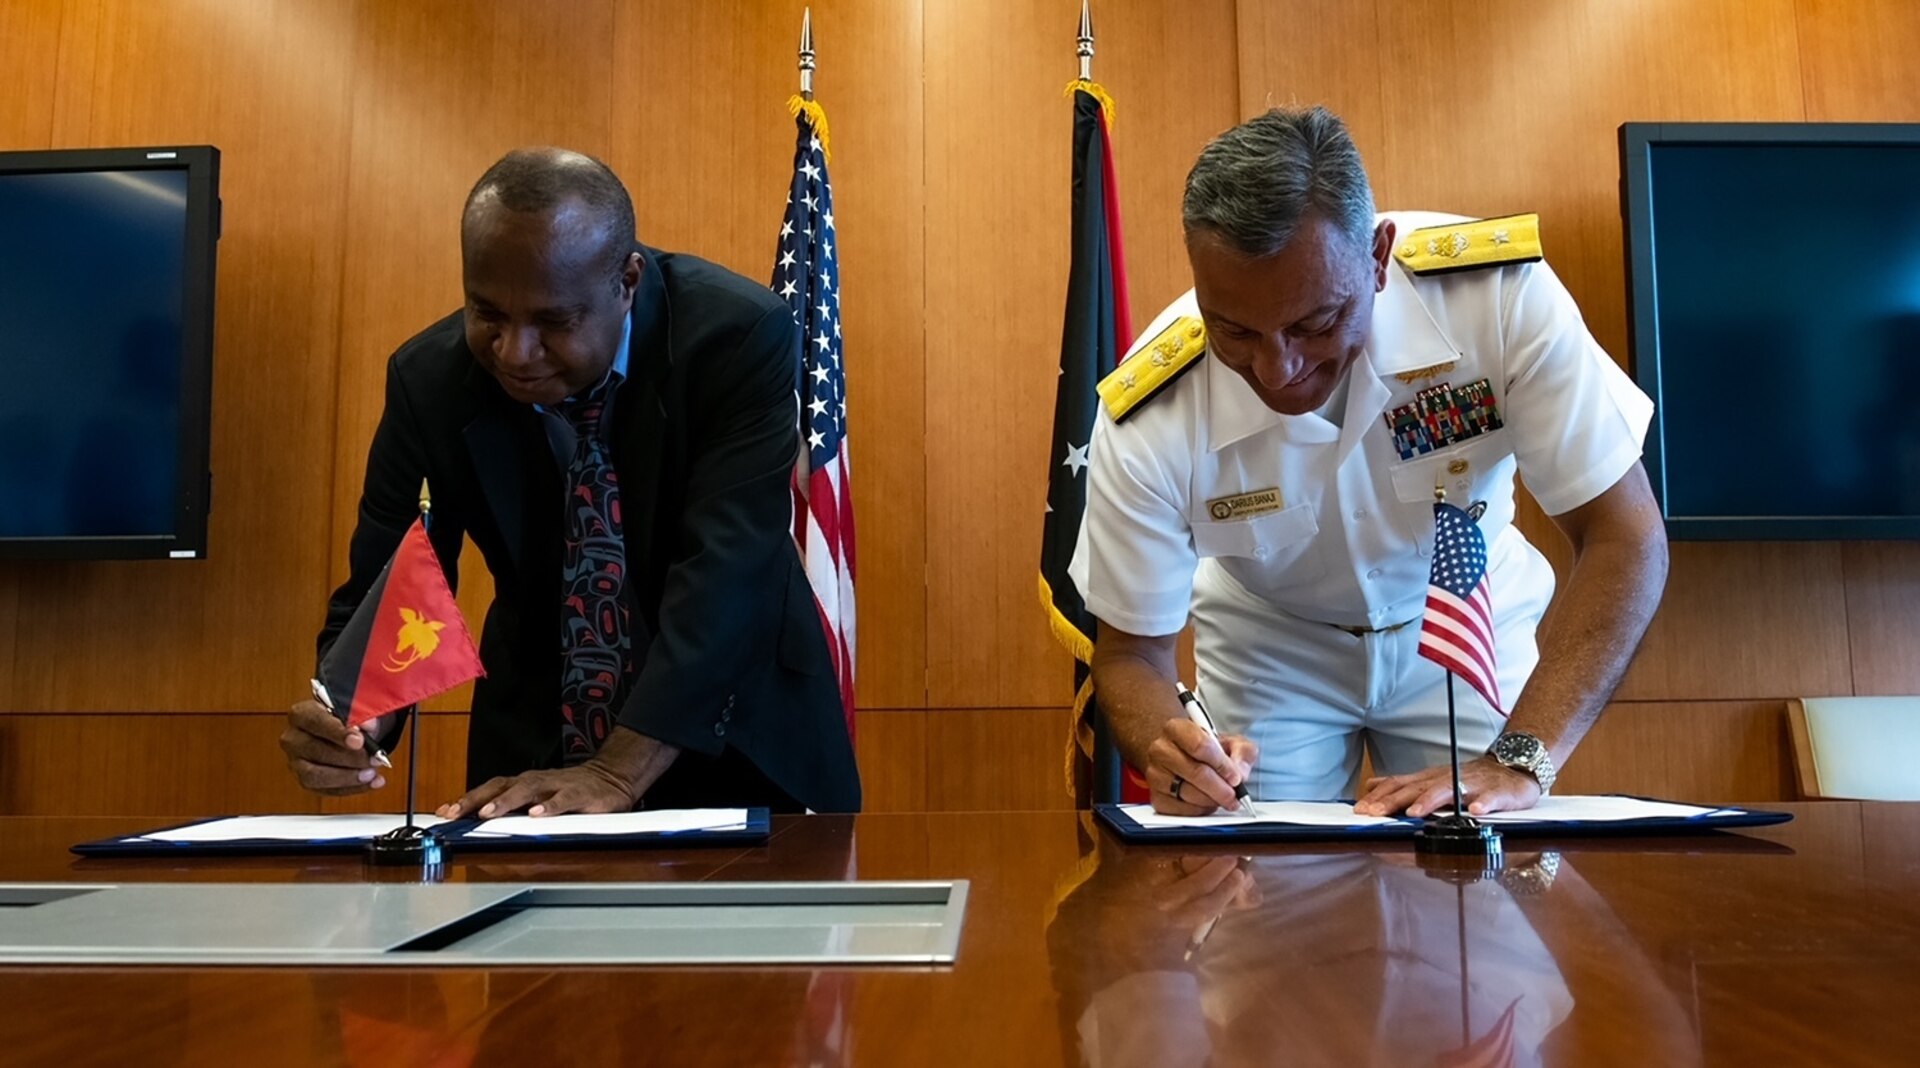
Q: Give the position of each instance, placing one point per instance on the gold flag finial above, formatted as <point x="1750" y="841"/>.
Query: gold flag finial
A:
<point x="426" y="498"/>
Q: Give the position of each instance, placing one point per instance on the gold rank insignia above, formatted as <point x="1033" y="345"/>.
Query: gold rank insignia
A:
<point x="1469" y="245"/>
<point x="1421" y="373"/>
<point x="1152" y="369"/>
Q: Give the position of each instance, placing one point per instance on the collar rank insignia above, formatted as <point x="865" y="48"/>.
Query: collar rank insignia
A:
<point x="1149" y="371"/>
<point x="1470" y="245"/>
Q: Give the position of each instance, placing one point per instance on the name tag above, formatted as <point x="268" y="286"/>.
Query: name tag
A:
<point x="1244" y="505"/>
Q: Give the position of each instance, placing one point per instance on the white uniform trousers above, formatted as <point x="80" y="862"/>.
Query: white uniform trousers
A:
<point x="1310" y="694"/>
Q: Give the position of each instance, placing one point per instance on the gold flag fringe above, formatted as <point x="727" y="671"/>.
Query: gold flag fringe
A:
<point x="816" y="118"/>
<point x="1096" y="91"/>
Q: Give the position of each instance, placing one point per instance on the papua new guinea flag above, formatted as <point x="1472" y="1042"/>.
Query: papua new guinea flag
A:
<point x="405" y="643"/>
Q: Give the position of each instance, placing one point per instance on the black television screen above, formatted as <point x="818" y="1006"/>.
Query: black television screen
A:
<point x="106" y="300"/>
<point x="1774" y="276"/>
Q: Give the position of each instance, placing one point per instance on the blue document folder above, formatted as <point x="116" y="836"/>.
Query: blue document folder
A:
<point x="459" y="836"/>
<point x="1121" y="822"/>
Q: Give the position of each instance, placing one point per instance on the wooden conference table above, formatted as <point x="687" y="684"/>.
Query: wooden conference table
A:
<point x="1788" y="945"/>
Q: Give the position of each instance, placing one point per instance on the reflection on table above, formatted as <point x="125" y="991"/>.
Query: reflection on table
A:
<point x="1348" y="958"/>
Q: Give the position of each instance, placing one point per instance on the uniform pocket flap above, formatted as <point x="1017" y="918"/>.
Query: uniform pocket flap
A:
<point x="1453" y="468"/>
<point x="1258" y="537"/>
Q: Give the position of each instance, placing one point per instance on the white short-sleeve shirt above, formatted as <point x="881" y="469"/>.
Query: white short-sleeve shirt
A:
<point x="1349" y="539"/>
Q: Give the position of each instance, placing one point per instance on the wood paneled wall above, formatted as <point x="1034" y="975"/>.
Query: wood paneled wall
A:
<point x="352" y="128"/>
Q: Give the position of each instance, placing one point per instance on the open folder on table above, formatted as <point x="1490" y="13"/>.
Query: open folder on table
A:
<point x="349" y="832"/>
<point x="1320" y="820"/>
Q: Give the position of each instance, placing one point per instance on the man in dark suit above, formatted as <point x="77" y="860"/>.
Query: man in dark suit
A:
<point x="615" y="427"/>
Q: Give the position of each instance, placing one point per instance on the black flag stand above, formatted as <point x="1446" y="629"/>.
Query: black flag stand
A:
<point x="1456" y="833"/>
<point x="412" y="846"/>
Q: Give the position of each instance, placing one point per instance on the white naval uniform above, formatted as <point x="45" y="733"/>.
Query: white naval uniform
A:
<point x="1350" y="545"/>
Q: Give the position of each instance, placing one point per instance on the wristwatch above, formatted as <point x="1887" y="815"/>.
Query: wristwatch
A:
<point x="1524" y="752"/>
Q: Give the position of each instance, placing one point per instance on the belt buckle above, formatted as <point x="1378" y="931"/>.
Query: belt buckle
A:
<point x="1361" y="632"/>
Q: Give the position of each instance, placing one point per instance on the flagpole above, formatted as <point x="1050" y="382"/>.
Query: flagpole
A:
<point x="1457" y="835"/>
<point x="1453" y="747"/>
<point x="413" y="729"/>
<point x="411" y="847"/>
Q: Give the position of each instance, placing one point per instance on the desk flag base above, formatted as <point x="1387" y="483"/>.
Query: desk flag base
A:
<point x="413" y="848"/>
<point x="1456" y="835"/>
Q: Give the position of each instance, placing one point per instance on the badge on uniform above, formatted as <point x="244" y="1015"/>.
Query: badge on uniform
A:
<point x="1441" y="415"/>
<point x="1244" y="505"/>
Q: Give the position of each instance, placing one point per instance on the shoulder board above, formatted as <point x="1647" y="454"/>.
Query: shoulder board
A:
<point x="1152" y="369"/>
<point x="1470" y="245"/>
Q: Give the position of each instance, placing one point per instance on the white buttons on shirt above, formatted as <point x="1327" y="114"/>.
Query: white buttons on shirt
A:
<point x="1374" y="574"/>
<point x="1359" y="513"/>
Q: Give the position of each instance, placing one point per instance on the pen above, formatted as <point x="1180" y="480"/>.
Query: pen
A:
<point x="1197" y="712"/>
<point x="321" y="695"/>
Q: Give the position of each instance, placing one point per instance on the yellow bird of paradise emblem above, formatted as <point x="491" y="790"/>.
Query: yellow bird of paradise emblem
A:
<point x="419" y="637"/>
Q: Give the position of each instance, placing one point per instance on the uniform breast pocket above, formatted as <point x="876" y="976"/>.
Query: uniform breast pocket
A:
<point x="1260" y="538"/>
<point x="1458" y="469"/>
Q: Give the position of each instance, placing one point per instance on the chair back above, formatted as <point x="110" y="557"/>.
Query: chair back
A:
<point x="1857" y="748"/>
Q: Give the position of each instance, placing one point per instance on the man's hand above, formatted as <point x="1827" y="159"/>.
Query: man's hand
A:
<point x="1486" y="785"/>
<point x="584" y="788"/>
<point x="613" y="781"/>
<point x="1206" y="770"/>
<point x="327" y="756"/>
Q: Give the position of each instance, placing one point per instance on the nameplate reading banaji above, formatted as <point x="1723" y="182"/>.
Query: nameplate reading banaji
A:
<point x="1245" y="505"/>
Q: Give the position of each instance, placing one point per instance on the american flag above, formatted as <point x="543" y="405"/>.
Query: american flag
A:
<point x="1457" y="633"/>
<point x="807" y="277"/>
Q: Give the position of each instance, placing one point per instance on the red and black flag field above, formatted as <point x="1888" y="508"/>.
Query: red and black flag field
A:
<point x="405" y="643"/>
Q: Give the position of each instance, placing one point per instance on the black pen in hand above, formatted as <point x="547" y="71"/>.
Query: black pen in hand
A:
<point x="1197" y="712"/>
<point x="375" y="755"/>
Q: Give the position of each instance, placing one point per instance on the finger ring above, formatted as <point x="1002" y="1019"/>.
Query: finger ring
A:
<point x="1178" y="782"/>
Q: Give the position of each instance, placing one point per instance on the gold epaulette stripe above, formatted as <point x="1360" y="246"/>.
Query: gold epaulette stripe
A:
<point x="1470" y="245"/>
<point x="1154" y="367"/>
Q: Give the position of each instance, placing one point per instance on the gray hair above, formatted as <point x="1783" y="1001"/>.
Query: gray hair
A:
<point x="1253" y="184"/>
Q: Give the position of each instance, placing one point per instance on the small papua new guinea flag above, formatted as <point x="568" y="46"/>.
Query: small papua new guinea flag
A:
<point x="405" y="643"/>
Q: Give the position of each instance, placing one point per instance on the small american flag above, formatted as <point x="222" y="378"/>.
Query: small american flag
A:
<point x="807" y="276"/>
<point x="1457" y="633"/>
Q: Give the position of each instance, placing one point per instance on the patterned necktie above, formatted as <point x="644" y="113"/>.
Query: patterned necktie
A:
<point x="595" y="639"/>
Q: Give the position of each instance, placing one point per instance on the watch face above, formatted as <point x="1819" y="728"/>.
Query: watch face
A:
<point x="1515" y="747"/>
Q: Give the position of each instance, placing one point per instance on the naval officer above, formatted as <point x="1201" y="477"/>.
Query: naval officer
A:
<point x="1266" y="461"/>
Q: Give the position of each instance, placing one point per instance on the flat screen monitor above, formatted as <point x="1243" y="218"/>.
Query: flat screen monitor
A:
<point x="1774" y="277"/>
<point x="106" y="342"/>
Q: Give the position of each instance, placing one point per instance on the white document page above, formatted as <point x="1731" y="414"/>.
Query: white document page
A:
<point x="309" y="828"/>
<point x="1298" y="813"/>
<point x="660" y="821"/>
<point x="1597" y="810"/>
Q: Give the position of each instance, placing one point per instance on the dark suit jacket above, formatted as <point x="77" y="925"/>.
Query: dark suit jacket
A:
<point x="705" y="435"/>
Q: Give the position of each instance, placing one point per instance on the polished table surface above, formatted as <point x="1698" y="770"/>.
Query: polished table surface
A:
<point x="1785" y="945"/>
